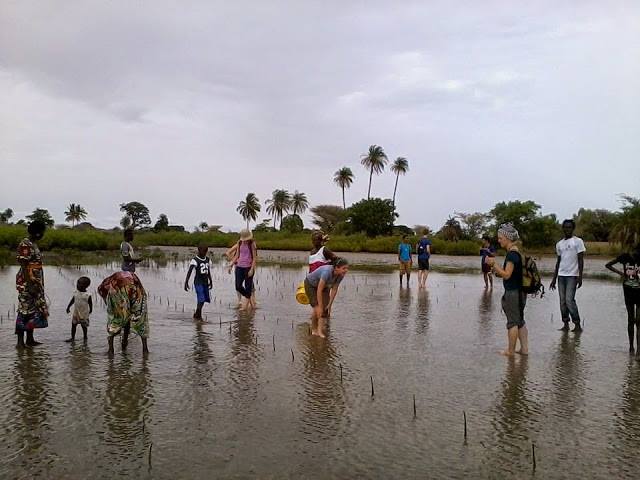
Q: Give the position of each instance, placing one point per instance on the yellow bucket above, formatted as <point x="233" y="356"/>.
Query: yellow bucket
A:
<point x="301" y="295"/>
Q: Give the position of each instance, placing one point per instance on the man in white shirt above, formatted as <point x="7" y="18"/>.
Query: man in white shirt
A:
<point x="568" y="274"/>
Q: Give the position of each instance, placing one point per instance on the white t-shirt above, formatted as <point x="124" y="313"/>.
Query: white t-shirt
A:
<point x="568" y="250"/>
<point x="81" y="305"/>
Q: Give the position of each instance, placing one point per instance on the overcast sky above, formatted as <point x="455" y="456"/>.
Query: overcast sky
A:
<point x="187" y="106"/>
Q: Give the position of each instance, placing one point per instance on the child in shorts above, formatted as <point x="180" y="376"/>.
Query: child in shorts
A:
<point x="202" y="281"/>
<point x="82" y="308"/>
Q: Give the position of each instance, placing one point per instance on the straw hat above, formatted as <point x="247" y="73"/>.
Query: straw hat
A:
<point x="246" y="235"/>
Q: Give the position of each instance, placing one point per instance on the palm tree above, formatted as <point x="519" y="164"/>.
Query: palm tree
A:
<point x="400" y="166"/>
<point x="374" y="161"/>
<point x="299" y="203"/>
<point x="75" y="213"/>
<point x="343" y="178"/>
<point x="278" y="204"/>
<point x="249" y="208"/>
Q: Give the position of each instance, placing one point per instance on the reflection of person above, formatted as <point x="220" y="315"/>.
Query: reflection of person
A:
<point x="423" y="249"/>
<point x="514" y="299"/>
<point x="321" y="287"/>
<point x="32" y="306"/>
<point x="129" y="260"/>
<point x="245" y="261"/>
<point x="630" y="274"/>
<point x="486" y="251"/>
<point x="202" y="281"/>
<point x="320" y="255"/>
<point x="82" y="308"/>
<point x="404" y="257"/>
<point x="568" y="274"/>
<point x="126" y="302"/>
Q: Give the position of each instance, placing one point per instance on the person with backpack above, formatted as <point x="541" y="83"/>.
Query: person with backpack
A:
<point x="514" y="298"/>
<point x="568" y="275"/>
<point x="245" y="260"/>
<point x="423" y="249"/>
<point x="630" y="274"/>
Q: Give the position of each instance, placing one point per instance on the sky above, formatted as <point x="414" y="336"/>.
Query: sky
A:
<point x="188" y="106"/>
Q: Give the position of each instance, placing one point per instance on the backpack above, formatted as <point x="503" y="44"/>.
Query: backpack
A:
<point x="531" y="280"/>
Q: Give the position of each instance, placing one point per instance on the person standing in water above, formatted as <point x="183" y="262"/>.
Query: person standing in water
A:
<point x="82" y="308"/>
<point x="568" y="275"/>
<point x="202" y="281"/>
<point x="486" y="251"/>
<point x="33" y="311"/>
<point x="245" y="261"/>
<point x="514" y="299"/>
<point x="404" y="256"/>
<point x="320" y="255"/>
<point x="129" y="260"/>
<point x="630" y="274"/>
<point x="423" y="249"/>
<point x="321" y="287"/>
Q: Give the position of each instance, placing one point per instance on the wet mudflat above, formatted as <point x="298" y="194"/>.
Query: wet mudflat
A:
<point x="244" y="396"/>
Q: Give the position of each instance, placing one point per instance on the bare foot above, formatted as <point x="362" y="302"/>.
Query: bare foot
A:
<point x="522" y="352"/>
<point x="69" y="340"/>
<point x="506" y="353"/>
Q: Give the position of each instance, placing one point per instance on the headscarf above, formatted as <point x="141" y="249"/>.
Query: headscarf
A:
<point x="508" y="231"/>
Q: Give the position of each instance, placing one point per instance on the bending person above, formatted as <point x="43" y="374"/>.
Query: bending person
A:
<point x="321" y="287"/>
<point x="630" y="274"/>
<point x="126" y="302"/>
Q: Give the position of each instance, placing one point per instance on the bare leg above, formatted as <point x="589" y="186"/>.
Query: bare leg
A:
<point x="486" y="280"/>
<point x="490" y="280"/>
<point x="85" y="331"/>
<point x="31" y="342"/>
<point x="523" y="336"/>
<point x="125" y="336"/>
<point x="512" y="338"/>
<point x="145" y="349"/>
<point x="73" y="333"/>
<point x="198" y="314"/>
<point x="20" y="340"/>
<point x="322" y="325"/>
<point x="110" y="340"/>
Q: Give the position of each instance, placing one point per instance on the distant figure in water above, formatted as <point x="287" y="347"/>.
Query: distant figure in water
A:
<point x="320" y="255"/>
<point x="630" y="274"/>
<point x="82" y="308"/>
<point x="568" y="275"/>
<point x="202" y="281"/>
<point x="321" y="287"/>
<point x="486" y="251"/>
<point x="423" y="249"/>
<point x="405" y="259"/>
<point x="126" y="302"/>
<point x="129" y="260"/>
<point x="514" y="299"/>
<point x="245" y="261"/>
<point x="32" y="305"/>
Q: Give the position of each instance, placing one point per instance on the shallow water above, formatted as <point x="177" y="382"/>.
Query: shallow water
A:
<point x="255" y="396"/>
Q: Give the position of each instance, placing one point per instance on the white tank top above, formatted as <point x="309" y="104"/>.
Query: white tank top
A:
<point x="317" y="260"/>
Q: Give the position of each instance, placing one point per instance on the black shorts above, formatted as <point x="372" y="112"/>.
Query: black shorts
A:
<point x="423" y="264"/>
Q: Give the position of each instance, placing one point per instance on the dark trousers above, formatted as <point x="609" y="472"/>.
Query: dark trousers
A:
<point x="567" y="287"/>
<point x="244" y="283"/>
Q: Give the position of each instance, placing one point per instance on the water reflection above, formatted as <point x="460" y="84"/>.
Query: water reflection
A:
<point x="30" y="405"/>
<point x="323" y="404"/>
<point x="203" y="365"/>
<point x="127" y="401"/>
<point x="422" y="312"/>
<point x="244" y="365"/>
<point x="568" y="376"/>
<point x="404" y="306"/>
<point x="627" y="422"/>
<point x="485" y="313"/>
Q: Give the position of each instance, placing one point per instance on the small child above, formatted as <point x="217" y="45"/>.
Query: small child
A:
<point x="82" y="308"/>
<point x="202" y="281"/>
<point x="487" y="251"/>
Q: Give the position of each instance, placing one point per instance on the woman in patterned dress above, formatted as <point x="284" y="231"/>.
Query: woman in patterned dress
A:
<point x="32" y="305"/>
<point x="126" y="302"/>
